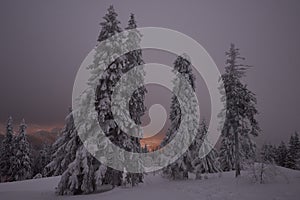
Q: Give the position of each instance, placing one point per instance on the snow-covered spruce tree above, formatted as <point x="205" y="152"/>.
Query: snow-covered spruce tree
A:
<point x="282" y="155"/>
<point x="7" y="153"/>
<point x="267" y="154"/>
<point x="180" y="168"/>
<point x="246" y="145"/>
<point x="83" y="174"/>
<point x="106" y="82"/>
<point x="297" y="150"/>
<point x="136" y="103"/>
<point x="64" y="147"/>
<point x="86" y="174"/>
<point x="207" y="164"/>
<point x="22" y="166"/>
<point x="294" y="152"/>
<point x="240" y="111"/>
<point x="42" y="160"/>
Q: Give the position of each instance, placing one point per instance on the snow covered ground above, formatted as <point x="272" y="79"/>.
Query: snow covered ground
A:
<point x="221" y="187"/>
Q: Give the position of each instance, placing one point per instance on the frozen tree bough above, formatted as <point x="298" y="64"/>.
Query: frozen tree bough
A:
<point x="203" y="164"/>
<point x="64" y="148"/>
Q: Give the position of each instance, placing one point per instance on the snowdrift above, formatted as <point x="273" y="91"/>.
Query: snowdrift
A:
<point x="216" y="187"/>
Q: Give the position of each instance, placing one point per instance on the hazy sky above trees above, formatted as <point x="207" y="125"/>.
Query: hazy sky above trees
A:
<point x="44" y="42"/>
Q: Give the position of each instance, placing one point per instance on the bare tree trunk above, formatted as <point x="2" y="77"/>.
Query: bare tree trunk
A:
<point x="262" y="173"/>
<point x="237" y="154"/>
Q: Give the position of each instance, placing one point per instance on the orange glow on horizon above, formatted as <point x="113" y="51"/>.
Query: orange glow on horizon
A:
<point x="151" y="143"/>
<point x="32" y="128"/>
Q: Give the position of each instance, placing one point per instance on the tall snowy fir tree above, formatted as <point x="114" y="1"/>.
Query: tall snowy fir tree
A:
<point x="239" y="113"/>
<point x="182" y="65"/>
<point x="136" y="103"/>
<point x="7" y="155"/>
<point x="203" y="160"/>
<point x="106" y="82"/>
<point x="80" y="177"/>
<point x="64" y="147"/>
<point x="22" y="165"/>
<point x="86" y="174"/>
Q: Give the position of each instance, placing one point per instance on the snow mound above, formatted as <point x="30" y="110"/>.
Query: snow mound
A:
<point x="216" y="187"/>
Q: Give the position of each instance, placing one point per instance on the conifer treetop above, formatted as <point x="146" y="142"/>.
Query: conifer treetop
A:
<point x="232" y="66"/>
<point x="183" y="65"/>
<point x="9" y="127"/>
<point x="110" y="26"/>
<point x="23" y="127"/>
<point x="132" y="22"/>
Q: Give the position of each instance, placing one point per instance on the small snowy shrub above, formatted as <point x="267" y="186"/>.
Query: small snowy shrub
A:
<point x="38" y="176"/>
<point x="261" y="172"/>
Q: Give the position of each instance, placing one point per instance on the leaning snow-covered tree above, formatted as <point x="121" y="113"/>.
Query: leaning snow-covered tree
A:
<point x="7" y="153"/>
<point x="22" y="165"/>
<point x="202" y="156"/>
<point x="64" y="147"/>
<point x="239" y="113"/>
<point x="182" y="65"/>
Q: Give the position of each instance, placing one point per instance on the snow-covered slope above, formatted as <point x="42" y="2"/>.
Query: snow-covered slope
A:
<point x="285" y="186"/>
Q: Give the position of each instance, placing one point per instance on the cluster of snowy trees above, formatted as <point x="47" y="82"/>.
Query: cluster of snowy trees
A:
<point x="283" y="155"/>
<point x="270" y="156"/>
<point x="18" y="160"/>
<point x="15" y="157"/>
<point x="240" y="125"/>
<point x="81" y="173"/>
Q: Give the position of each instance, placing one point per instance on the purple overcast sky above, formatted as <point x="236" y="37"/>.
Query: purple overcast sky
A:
<point x="42" y="44"/>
